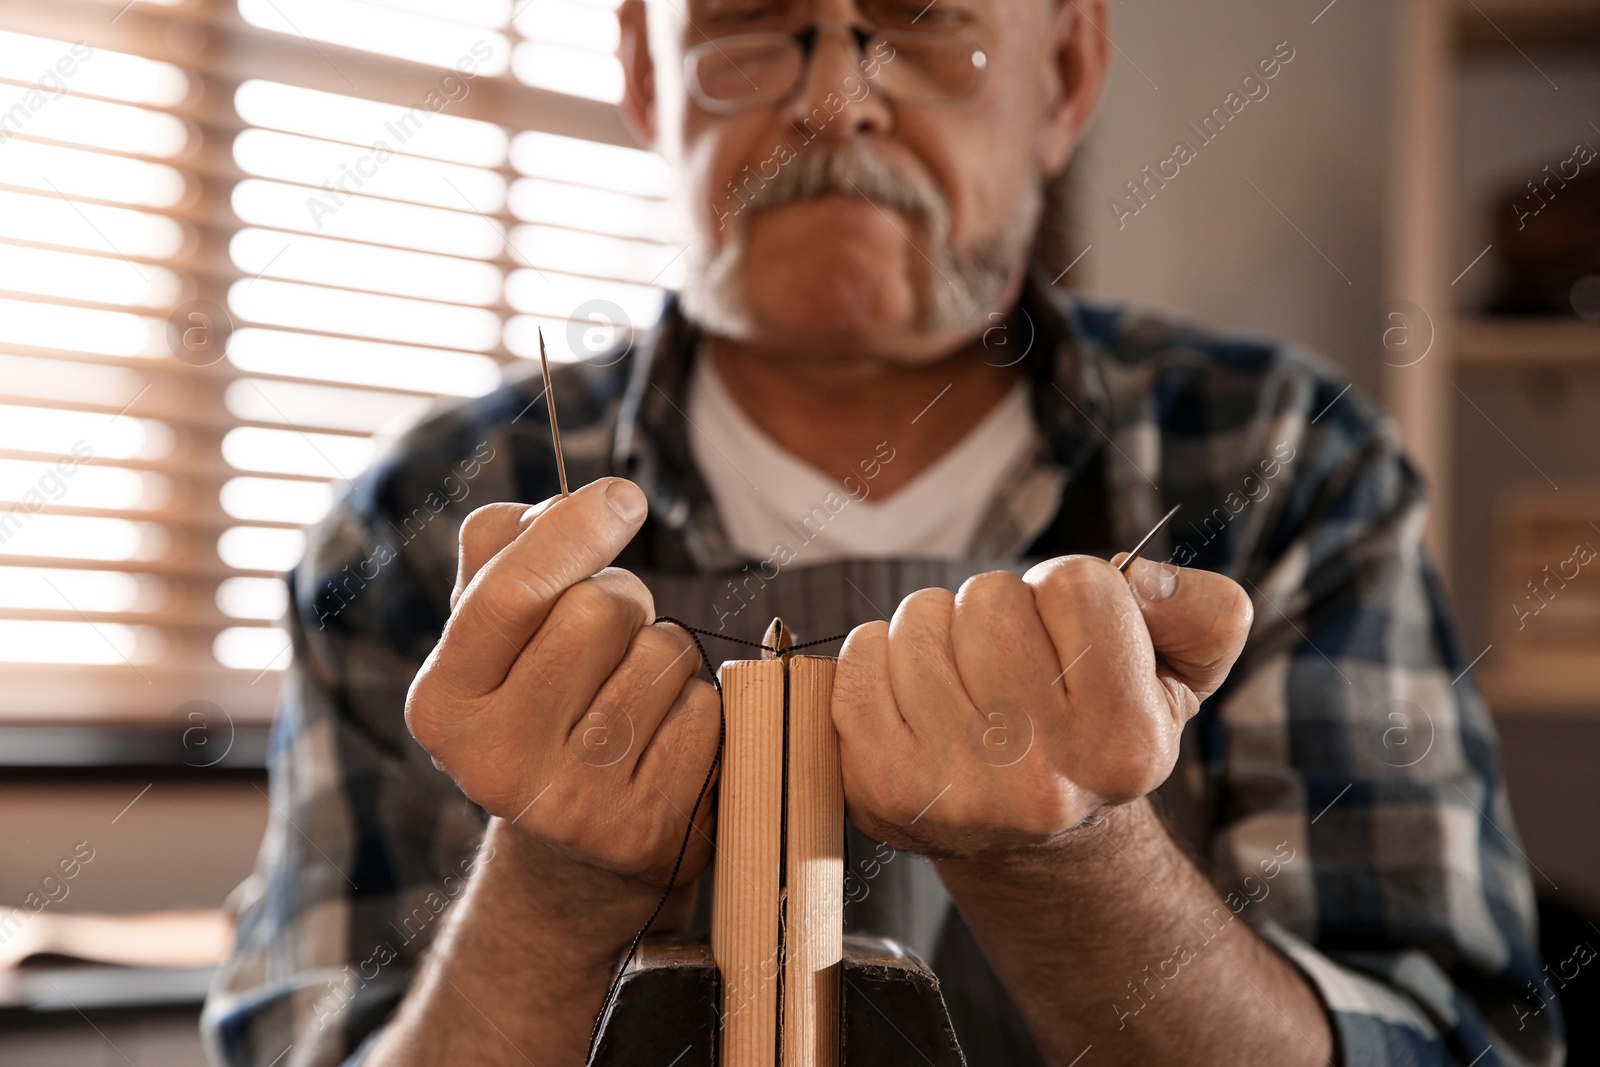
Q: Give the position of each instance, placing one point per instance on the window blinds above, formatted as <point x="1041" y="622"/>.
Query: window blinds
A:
<point x="241" y="242"/>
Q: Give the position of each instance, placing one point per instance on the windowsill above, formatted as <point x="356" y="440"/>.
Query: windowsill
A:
<point x="37" y="992"/>
<point x="57" y="750"/>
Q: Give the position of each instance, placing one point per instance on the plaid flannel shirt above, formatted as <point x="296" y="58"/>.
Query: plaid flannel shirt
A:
<point x="1350" y="732"/>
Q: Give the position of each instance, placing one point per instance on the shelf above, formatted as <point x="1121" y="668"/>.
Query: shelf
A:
<point x="1493" y="26"/>
<point x="1526" y="342"/>
<point x="1544" y="608"/>
<point x="1566" y="685"/>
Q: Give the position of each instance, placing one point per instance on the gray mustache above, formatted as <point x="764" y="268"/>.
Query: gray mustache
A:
<point x="847" y="172"/>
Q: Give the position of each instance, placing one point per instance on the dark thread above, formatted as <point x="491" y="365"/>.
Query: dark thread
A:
<point x="688" y="836"/>
<point x="741" y="641"/>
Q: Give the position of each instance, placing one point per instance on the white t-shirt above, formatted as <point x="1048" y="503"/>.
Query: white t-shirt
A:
<point x="767" y="497"/>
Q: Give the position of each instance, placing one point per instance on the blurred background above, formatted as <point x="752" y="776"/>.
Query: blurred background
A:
<point x="242" y="240"/>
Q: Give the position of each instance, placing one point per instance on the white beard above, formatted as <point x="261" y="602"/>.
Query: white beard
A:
<point x="956" y="289"/>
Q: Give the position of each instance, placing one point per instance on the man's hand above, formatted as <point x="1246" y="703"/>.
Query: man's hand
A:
<point x="1006" y="715"/>
<point x="578" y="725"/>
<point x="556" y="704"/>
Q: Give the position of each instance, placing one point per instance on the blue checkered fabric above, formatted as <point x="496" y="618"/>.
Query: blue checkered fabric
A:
<point x="1350" y="731"/>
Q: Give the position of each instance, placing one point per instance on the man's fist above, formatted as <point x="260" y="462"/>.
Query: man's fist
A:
<point x="1009" y="713"/>
<point x="552" y="699"/>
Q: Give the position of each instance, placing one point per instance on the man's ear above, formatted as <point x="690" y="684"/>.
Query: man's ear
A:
<point x="638" y="71"/>
<point x="1080" y="54"/>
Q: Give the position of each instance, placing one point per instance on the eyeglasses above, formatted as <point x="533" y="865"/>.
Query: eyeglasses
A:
<point x="749" y="70"/>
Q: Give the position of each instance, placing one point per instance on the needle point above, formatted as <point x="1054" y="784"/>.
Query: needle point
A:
<point x="1140" y="547"/>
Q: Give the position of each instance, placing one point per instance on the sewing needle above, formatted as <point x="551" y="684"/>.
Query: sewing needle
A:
<point x="555" y="427"/>
<point x="1140" y="547"/>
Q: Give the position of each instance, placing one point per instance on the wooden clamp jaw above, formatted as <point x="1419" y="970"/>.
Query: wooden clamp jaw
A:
<point x="778" y="907"/>
<point x="779" y="985"/>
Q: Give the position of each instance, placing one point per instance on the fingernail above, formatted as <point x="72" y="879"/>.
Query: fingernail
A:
<point x="1152" y="581"/>
<point x="626" y="500"/>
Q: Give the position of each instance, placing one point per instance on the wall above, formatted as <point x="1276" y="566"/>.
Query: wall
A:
<point x="1309" y="266"/>
<point x="1276" y="226"/>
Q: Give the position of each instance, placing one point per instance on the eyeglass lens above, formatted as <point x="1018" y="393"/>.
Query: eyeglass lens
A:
<point x="751" y="69"/>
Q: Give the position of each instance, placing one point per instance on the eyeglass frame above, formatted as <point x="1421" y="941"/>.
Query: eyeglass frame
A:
<point x="807" y="39"/>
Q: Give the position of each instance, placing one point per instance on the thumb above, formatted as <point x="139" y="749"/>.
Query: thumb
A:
<point x="1198" y="620"/>
<point x="566" y="542"/>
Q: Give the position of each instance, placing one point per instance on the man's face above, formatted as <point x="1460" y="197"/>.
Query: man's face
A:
<point x="843" y="216"/>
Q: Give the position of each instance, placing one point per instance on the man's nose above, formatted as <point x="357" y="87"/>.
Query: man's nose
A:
<point x="835" y="98"/>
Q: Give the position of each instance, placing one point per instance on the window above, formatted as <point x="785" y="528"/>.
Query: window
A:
<point x="240" y="243"/>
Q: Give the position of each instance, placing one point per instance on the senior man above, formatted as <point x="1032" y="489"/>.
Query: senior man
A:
<point x="866" y="413"/>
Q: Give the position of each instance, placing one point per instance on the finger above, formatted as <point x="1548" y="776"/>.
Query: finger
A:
<point x="863" y="705"/>
<point x="623" y="718"/>
<point x="579" y="647"/>
<point x="485" y="532"/>
<point x="673" y="769"/>
<point x="683" y="744"/>
<point x="638" y="825"/>
<point x="511" y="595"/>
<point x="922" y="671"/>
<point x="1007" y="662"/>
<point x="1120" y="714"/>
<point x="1198" y="620"/>
<point x="1085" y="604"/>
<point x="876" y="747"/>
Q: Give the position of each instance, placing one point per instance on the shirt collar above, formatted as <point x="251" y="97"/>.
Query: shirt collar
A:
<point x="652" y="443"/>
